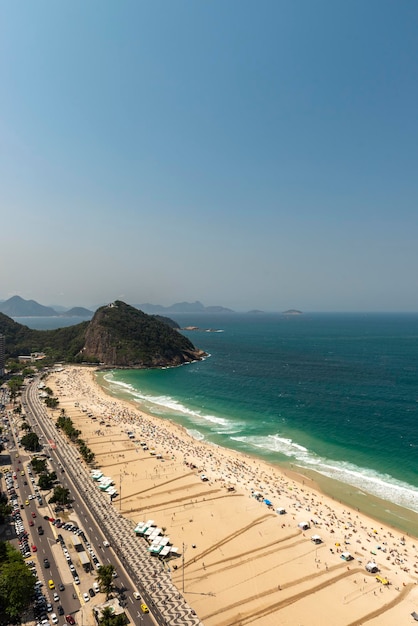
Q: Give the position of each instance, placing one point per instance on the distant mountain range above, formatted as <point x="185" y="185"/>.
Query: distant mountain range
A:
<point x="18" y="307"/>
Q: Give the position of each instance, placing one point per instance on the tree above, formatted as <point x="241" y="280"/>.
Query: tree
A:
<point x="14" y="385"/>
<point x="26" y="426"/>
<point x="109" y="619"/>
<point x="60" y="495"/>
<point x="5" y="508"/>
<point x="107" y="615"/>
<point x="51" y="403"/>
<point x="46" y="481"/>
<point x="28" y="371"/>
<point x="16" y="585"/>
<point x="38" y="465"/>
<point x="105" y="579"/>
<point x="30" y="442"/>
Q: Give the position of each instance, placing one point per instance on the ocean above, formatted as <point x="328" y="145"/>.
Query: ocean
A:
<point x="335" y="395"/>
<point x="51" y="322"/>
<point x="332" y="395"/>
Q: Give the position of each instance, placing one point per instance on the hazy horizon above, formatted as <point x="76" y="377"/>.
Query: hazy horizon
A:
<point x="248" y="155"/>
<point x="94" y="307"/>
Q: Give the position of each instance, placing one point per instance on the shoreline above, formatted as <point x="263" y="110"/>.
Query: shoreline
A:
<point x="398" y="517"/>
<point x="227" y="534"/>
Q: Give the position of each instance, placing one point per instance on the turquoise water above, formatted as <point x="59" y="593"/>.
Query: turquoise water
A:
<point x="337" y="394"/>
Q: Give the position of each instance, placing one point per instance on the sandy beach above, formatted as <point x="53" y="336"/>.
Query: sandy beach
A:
<point x="243" y="562"/>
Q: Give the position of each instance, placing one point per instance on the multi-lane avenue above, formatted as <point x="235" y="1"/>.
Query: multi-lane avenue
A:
<point x="137" y="572"/>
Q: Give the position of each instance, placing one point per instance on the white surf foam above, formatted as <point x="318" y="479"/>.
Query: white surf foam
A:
<point x="364" y="479"/>
<point x="163" y="403"/>
<point x="196" y="434"/>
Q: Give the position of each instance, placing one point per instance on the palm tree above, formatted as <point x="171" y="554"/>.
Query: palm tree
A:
<point x="107" y="616"/>
<point x="105" y="579"/>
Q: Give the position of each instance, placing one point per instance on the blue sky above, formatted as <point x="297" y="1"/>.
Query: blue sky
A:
<point x="250" y="154"/>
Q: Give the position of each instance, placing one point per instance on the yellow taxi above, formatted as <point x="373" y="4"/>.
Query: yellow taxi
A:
<point x="22" y="473"/>
<point x="51" y="584"/>
<point x="27" y="502"/>
<point x="144" y="608"/>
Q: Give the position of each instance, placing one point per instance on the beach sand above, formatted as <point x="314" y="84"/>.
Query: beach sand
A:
<point x="239" y="561"/>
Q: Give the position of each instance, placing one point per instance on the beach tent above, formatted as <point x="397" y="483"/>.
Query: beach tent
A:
<point x="346" y="556"/>
<point x="104" y="486"/>
<point x="372" y="567"/>
<point x="415" y="616"/>
<point x="316" y="539"/>
<point x="268" y="502"/>
<point x="155" y="532"/>
<point x="280" y="511"/>
<point x="164" y="541"/>
<point x="138" y="528"/>
<point x="165" y="551"/>
<point x="304" y="525"/>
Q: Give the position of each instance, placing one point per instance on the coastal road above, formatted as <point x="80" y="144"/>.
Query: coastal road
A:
<point x="101" y="519"/>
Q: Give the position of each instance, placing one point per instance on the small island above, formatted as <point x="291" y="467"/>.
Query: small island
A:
<point x="203" y="330"/>
<point x="292" y="312"/>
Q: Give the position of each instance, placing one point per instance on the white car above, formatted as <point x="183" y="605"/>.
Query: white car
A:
<point x="54" y="618"/>
<point x="56" y="597"/>
<point x="136" y="595"/>
<point x="76" y="580"/>
<point x="86" y="597"/>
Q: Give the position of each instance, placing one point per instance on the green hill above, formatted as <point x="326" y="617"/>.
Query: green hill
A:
<point x="118" y="335"/>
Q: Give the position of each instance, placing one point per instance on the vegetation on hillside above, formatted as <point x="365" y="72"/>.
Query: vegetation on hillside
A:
<point x="60" y="344"/>
<point x="118" y="334"/>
